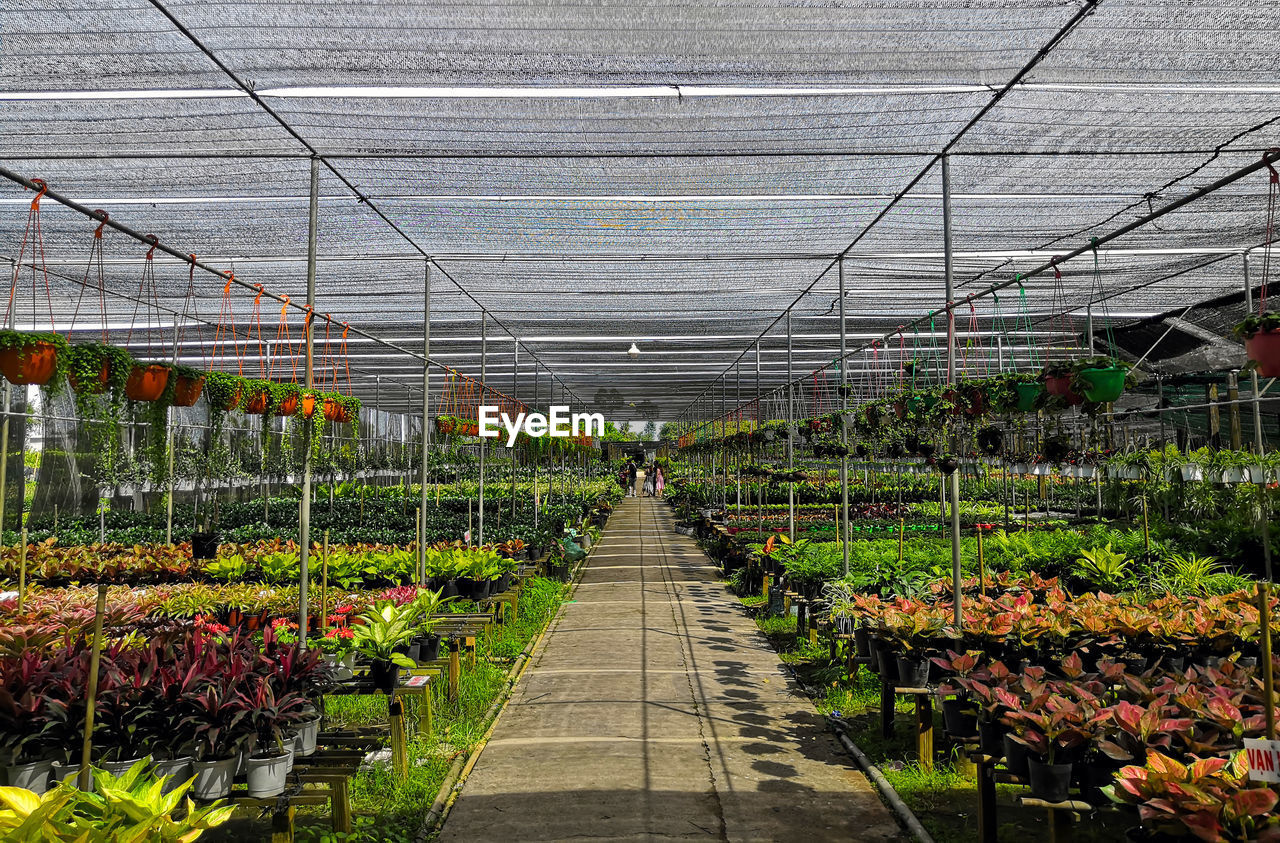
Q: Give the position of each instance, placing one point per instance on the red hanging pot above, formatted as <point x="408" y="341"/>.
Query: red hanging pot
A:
<point x="95" y="385"/>
<point x="256" y="404"/>
<point x="900" y="409"/>
<point x="187" y="390"/>
<point x="230" y="404"/>
<point x="1262" y="348"/>
<point x="33" y="363"/>
<point x="288" y="406"/>
<point x="147" y="383"/>
<point x="1061" y="385"/>
<point x="444" y="425"/>
<point x="977" y="402"/>
<point x="308" y="405"/>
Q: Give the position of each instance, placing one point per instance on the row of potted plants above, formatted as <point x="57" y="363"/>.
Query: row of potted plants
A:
<point x="195" y="703"/>
<point x="45" y="358"/>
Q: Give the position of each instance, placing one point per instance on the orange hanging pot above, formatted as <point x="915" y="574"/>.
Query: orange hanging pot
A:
<point x="335" y="412"/>
<point x="33" y="363"/>
<point x="308" y="405"/>
<point x="288" y="406"/>
<point x="256" y="404"/>
<point x="95" y="385"/>
<point x="147" y="383"/>
<point x="186" y="392"/>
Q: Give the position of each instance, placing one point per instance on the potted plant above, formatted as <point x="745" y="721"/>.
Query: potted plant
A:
<point x="380" y="633"/>
<point x="222" y="391"/>
<point x="36" y="358"/>
<point x="283" y="398"/>
<point x="147" y="381"/>
<point x="1261" y="342"/>
<point x="255" y="398"/>
<point x="215" y="725"/>
<point x="1100" y="379"/>
<point x="269" y="715"/>
<point x="188" y="386"/>
<point x="93" y="368"/>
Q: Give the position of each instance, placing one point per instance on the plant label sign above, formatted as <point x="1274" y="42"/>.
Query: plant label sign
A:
<point x="1264" y="759"/>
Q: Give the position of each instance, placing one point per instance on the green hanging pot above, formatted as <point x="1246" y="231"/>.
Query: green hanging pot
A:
<point x="1027" y="395"/>
<point x="1102" y="385"/>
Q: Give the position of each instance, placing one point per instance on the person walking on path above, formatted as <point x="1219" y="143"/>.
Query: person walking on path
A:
<point x="658" y="480"/>
<point x="631" y="479"/>
<point x="649" y="480"/>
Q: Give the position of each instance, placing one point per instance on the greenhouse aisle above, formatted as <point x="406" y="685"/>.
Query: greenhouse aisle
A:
<point x="655" y="709"/>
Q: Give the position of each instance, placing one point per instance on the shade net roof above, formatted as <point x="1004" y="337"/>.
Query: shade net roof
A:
<point x="669" y="174"/>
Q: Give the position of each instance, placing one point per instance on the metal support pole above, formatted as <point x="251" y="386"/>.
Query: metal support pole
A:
<point x="844" y="432"/>
<point x="515" y="376"/>
<point x="484" y="443"/>
<point x="423" y="500"/>
<point x="957" y="575"/>
<point x="304" y="511"/>
<point x="791" y="441"/>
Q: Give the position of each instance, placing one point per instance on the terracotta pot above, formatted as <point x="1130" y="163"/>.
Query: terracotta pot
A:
<point x="147" y="383"/>
<point x="334" y="411"/>
<point x="288" y="406"/>
<point x="30" y="364"/>
<point x="230" y="404"/>
<point x="186" y="392"/>
<point x="1263" y="348"/>
<point x="308" y="405"/>
<point x="256" y="404"/>
<point x="96" y="385"/>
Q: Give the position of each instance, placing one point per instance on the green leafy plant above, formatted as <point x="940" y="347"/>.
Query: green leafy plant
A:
<point x="19" y="340"/>
<point x="1104" y="567"/>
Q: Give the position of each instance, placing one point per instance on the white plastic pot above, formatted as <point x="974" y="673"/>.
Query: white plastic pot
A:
<point x="1257" y="474"/>
<point x="1233" y="475"/>
<point x="1191" y="472"/>
<point x="33" y="776"/>
<point x="118" y="768"/>
<point x="267" y="776"/>
<point x="307" y="732"/>
<point x="177" y="769"/>
<point x="213" y="778"/>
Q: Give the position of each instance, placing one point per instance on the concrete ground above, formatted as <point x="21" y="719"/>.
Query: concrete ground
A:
<point x="655" y="709"/>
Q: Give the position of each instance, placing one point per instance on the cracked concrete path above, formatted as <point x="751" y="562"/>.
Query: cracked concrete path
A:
<point x="655" y="709"/>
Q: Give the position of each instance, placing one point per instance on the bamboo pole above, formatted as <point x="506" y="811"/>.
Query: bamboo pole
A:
<point x="324" y="586"/>
<point x="95" y="659"/>
<point x="22" y="569"/>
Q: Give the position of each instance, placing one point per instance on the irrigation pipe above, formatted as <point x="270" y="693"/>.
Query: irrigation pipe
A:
<point x="463" y="765"/>
<point x="872" y="772"/>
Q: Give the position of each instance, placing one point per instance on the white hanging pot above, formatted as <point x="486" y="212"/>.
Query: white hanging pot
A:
<point x="1235" y="474"/>
<point x="1191" y="472"/>
<point x="1257" y="474"/>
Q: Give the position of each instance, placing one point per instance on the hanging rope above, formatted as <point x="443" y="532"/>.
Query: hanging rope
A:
<point x="33" y="234"/>
<point x="1025" y="312"/>
<point x="1273" y="189"/>
<point x="226" y="319"/>
<point x="257" y="322"/>
<point x="284" y="337"/>
<point x="147" y="295"/>
<point x="94" y="274"/>
<point x="1096" y="293"/>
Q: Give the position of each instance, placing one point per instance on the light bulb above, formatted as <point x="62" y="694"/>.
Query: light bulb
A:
<point x="633" y="351"/>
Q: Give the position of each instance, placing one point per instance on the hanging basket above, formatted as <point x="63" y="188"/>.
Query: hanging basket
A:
<point x="1061" y="386"/>
<point x="230" y="403"/>
<point x="255" y="404"/>
<point x="445" y="425"/>
<point x="31" y="364"/>
<point x="1102" y="385"/>
<point x="308" y="405"/>
<point x="900" y="409"/>
<point x="977" y="402"/>
<point x="147" y="383"/>
<point x="1027" y="395"/>
<point x="95" y="385"/>
<point x="335" y="412"/>
<point x="187" y="390"/>
<point x="1263" y="348"/>
<point x="289" y="406"/>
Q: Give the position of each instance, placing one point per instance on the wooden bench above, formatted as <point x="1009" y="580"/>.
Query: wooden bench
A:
<point x="924" y="717"/>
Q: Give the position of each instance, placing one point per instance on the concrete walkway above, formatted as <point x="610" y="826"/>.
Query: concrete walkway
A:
<point x="655" y="709"/>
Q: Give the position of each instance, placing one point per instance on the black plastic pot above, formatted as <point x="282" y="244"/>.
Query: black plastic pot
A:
<point x="1050" y="782"/>
<point x="428" y="648"/>
<point x="385" y="675"/>
<point x="887" y="661"/>
<point x="559" y="572"/>
<point x="204" y="545"/>
<point x="412" y="650"/>
<point x="913" y="673"/>
<point x="960" y="717"/>
<point x="1016" y="756"/>
<point x="990" y="738"/>
<point x="504" y="582"/>
<point x="861" y="641"/>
